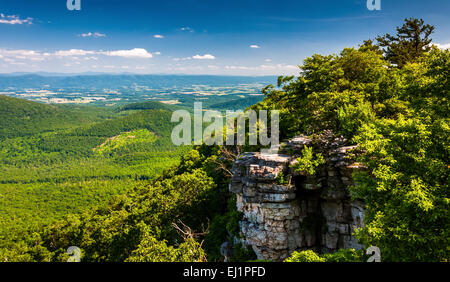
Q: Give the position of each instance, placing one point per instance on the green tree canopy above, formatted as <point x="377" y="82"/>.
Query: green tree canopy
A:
<point x="411" y="42"/>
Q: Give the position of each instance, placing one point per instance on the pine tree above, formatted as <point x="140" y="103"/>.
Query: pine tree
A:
<point x="410" y="43"/>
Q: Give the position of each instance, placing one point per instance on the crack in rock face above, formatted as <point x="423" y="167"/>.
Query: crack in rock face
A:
<point x="301" y="212"/>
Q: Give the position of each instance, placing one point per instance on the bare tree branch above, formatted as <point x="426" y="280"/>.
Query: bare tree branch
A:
<point x="228" y="156"/>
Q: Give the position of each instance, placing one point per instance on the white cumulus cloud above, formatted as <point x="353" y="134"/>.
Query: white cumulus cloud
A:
<point x="76" y="53"/>
<point x="254" y="46"/>
<point x="212" y="67"/>
<point x="443" y="46"/>
<point x="21" y="54"/>
<point x="133" y="53"/>
<point x="158" y="36"/>
<point x="73" y="52"/>
<point x="93" y="34"/>
<point x="186" y="28"/>
<point x="182" y="59"/>
<point x="204" y="57"/>
<point x="12" y="19"/>
<point x="277" y="67"/>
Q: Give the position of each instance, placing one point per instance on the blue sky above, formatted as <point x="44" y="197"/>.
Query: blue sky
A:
<point x="245" y="37"/>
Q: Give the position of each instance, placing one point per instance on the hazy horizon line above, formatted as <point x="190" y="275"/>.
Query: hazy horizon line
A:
<point x="40" y="73"/>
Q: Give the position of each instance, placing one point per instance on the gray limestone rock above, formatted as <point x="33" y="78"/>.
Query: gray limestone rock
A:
<point x="274" y="213"/>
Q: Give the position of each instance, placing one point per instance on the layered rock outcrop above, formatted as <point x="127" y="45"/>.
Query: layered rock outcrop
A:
<point x="285" y="211"/>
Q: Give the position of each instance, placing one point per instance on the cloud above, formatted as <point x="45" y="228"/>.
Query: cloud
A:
<point x="18" y="52"/>
<point x="277" y="67"/>
<point x="21" y="55"/>
<point x="12" y="19"/>
<point x="18" y="63"/>
<point x="186" y="28"/>
<point x="91" y="58"/>
<point x="212" y="67"/>
<point x="8" y="60"/>
<point x="197" y="57"/>
<point x="268" y="60"/>
<point x="443" y="46"/>
<point x="240" y="68"/>
<point x="254" y="46"/>
<point x="73" y="52"/>
<point x="78" y="59"/>
<point x="204" y="57"/>
<point x="90" y="34"/>
<point x="158" y="36"/>
<point x="37" y="59"/>
<point x="68" y="58"/>
<point x="133" y="53"/>
<point x="182" y="59"/>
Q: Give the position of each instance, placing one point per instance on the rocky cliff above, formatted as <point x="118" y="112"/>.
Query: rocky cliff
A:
<point x="285" y="211"/>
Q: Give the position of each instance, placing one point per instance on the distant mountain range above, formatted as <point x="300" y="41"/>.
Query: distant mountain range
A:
<point x="98" y="80"/>
<point x="52" y="73"/>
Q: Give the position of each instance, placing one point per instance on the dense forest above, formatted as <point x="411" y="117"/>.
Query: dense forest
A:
<point x="60" y="160"/>
<point x="389" y="96"/>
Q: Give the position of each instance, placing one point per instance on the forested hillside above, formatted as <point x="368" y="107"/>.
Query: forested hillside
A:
<point x="20" y="117"/>
<point x="73" y="158"/>
<point x="237" y="104"/>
